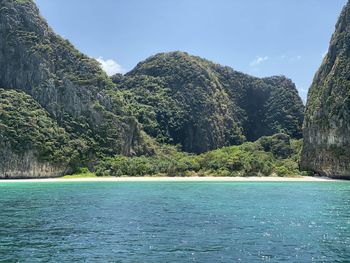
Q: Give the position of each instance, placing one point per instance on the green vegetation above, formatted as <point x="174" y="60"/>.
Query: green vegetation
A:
<point x="81" y="173"/>
<point x="187" y="100"/>
<point x="77" y="176"/>
<point x="25" y="125"/>
<point x="67" y="111"/>
<point x="70" y="88"/>
<point x="23" y="1"/>
<point x="326" y="147"/>
<point x="276" y="155"/>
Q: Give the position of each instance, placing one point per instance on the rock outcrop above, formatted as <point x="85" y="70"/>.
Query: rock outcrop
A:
<point x="59" y="111"/>
<point x="31" y="142"/>
<point x="187" y="100"/>
<point x="27" y="165"/>
<point x="326" y="149"/>
<point x="68" y="85"/>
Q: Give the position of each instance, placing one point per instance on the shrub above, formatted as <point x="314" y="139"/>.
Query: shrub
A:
<point x="269" y="155"/>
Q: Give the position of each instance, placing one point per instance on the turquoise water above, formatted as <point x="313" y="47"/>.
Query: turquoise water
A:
<point x="175" y="222"/>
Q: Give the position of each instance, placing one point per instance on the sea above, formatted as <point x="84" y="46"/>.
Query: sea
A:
<point x="174" y="222"/>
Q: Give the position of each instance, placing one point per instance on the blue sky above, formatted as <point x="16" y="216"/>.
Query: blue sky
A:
<point x="258" y="37"/>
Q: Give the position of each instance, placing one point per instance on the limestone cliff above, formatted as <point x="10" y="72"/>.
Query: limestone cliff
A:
<point x="59" y="111"/>
<point x="327" y="120"/>
<point x="27" y="165"/>
<point x="70" y="86"/>
<point x="188" y="100"/>
<point x="31" y="142"/>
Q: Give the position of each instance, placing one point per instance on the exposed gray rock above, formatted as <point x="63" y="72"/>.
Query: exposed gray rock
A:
<point x="70" y="86"/>
<point x="326" y="129"/>
<point x="27" y="165"/>
<point x="203" y="106"/>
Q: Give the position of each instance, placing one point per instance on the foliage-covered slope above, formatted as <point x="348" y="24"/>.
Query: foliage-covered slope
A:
<point x="66" y="113"/>
<point x="70" y="86"/>
<point x="25" y="125"/>
<point x="275" y="155"/>
<point x="28" y="132"/>
<point x="187" y="100"/>
<point x="327" y="120"/>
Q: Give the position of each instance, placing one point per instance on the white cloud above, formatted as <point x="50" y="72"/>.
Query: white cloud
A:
<point x="258" y="61"/>
<point x="110" y="66"/>
<point x="296" y="58"/>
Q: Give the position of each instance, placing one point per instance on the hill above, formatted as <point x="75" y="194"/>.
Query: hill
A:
<point x="187" y="100"/>
<point x="67" y="84"/>
<point x="60" y="111"/>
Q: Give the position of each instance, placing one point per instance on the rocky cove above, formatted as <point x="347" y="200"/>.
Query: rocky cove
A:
<point x="173" y="114"/>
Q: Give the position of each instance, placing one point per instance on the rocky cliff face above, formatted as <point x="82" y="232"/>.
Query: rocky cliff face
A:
<point x="27" y="165"/>
<point x="327" y="120"/>
<point x="70" y="86"/>
<point x="31" y="142"/>
<point x="59" y="110"/>
<point x="187" y="100"/>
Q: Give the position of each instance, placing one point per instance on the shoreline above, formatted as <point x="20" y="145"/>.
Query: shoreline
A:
<point x="177" y="179"/>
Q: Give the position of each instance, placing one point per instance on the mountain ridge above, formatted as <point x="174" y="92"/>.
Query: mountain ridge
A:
<point x="73" y="115"/>
<point x="70" y="86"/>
<point x="231" y="100"/>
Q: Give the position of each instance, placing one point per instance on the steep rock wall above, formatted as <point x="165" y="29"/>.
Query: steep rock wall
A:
<point x="326" y="149"/>
<point x="27" y="165"/>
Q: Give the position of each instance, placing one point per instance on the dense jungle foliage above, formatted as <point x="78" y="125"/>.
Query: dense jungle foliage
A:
<point x="60" y="104"/>
<point x="187" y="100"/>
<point x="274" y="155"/>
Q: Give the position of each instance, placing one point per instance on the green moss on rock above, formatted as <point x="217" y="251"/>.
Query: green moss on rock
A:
<point x="327" y="118"/>
<point x="187" y="100"/>
<point x="69" y="85"/>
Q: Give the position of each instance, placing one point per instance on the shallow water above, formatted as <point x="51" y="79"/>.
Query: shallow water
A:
<point x="175" y="222"/>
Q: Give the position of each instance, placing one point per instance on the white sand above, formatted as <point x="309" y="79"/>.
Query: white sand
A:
<point x="179" y="179"/>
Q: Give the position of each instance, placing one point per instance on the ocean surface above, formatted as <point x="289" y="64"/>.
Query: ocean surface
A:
<point x="175" y="222"/>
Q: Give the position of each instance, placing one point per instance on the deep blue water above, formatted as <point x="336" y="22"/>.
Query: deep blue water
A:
<point x="175" y="222"/>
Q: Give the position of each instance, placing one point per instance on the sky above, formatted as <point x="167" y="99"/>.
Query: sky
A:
<point x="258" y="37"/>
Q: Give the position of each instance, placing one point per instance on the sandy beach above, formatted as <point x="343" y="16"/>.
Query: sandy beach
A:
<point x="177" y="179"/>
